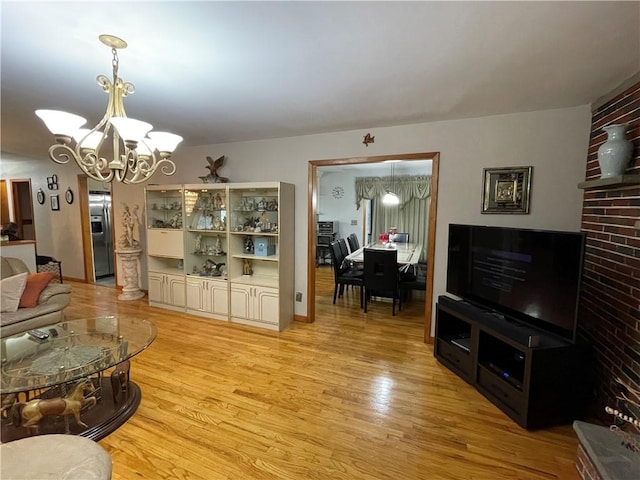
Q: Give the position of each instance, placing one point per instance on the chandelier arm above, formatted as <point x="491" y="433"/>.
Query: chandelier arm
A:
<point x="168" y="169"/>
<point x="61" y="154"/>
<point x="95" y="167"/>
<point x="90" y="164"/>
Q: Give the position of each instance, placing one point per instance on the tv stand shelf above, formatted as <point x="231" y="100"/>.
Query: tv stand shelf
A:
<point x="536" y="378"/>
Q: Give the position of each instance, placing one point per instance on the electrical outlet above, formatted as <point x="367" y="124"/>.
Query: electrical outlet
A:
<point x="354" y="222"/>
<point x="298" y="296"/>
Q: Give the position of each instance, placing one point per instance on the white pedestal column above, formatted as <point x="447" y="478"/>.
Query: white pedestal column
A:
<point x="129" y="258"/>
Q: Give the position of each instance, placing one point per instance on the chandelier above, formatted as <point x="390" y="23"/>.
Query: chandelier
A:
<point x="137" y="151"/>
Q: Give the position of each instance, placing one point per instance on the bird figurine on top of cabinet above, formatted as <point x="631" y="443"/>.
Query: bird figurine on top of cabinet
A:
<point x="214" y="166"/>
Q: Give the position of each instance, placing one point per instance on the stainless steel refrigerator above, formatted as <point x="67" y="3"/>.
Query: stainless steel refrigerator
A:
<point x="101" y="232"/>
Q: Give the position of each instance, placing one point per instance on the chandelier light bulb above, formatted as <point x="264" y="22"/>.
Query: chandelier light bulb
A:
<point x="87" y="139"/>
<point x="165" y="141"/>
<point x="130" y="129"/>
<point x="390" y="198"/>
<point x="61" y="123"/>
<point x="146" y="147"/>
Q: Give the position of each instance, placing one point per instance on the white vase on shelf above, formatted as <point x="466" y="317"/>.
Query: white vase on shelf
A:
<point x="615" y="153"/>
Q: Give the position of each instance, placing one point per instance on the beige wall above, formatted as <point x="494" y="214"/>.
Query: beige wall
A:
<point x="554" y="142"/>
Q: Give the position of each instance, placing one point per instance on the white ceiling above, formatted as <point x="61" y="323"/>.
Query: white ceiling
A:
<point x="230" y="71"/>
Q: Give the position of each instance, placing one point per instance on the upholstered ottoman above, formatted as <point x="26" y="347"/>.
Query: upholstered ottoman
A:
<point x="60" y="457"/>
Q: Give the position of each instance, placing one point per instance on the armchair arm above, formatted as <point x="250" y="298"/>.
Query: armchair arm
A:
<point x="55" y="293"/>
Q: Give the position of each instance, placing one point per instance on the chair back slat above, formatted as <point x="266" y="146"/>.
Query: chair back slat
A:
<point x="354" y="244"/>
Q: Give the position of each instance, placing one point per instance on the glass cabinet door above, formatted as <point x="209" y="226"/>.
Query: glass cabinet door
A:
<point x="164" y="207"/>
<point x="253" y="235"/>
<point x="206" y="231"/>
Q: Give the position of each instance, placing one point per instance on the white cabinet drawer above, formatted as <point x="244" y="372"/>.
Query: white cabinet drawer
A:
<point x="165" y="243"/>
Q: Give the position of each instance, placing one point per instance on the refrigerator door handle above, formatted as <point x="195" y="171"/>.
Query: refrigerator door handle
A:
<point x="107" y="218"/>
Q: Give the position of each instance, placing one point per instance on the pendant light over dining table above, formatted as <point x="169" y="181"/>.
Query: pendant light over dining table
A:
<point x="390" y="198"/>
<point x="137" y="151"/>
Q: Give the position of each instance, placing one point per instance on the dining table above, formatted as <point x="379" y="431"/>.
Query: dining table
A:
<point x="408" y="253"/>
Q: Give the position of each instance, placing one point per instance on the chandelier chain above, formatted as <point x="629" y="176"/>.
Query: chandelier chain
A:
<point x="115" y="62"/>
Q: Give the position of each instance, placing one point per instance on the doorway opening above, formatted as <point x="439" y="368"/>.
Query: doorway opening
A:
<point x="312" y="216"/>
<point x="18" y="207"/>
<point x="97" y="231"/>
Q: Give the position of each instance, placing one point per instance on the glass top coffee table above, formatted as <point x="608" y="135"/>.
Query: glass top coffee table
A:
<point x="73" y="351"/>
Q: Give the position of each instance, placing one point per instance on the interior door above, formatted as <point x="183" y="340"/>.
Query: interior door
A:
<point x="22" y="204"/>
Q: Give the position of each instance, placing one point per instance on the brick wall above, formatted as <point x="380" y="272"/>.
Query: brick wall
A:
<point x="610" y="296"/>
<point x="586" y="469"/>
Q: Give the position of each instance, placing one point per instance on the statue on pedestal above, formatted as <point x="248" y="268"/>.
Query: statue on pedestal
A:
<point x="129" y="221"/>
<point x="129" y="254"/>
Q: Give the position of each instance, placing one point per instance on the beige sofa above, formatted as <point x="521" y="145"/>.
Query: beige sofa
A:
<point x="51" y="303"/>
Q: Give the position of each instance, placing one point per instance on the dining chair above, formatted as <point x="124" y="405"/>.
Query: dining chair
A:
<point x="354" y="244"/>
<point x="399" y="237"/>
<point x="343" y="246"/>
<point x="381" y="276"/>
<point x="345" y="251"/>
<point x="344" y="275"/>
<point x="413" y="279"/>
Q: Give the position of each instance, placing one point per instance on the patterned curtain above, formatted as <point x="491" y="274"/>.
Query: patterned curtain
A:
<point x="406" y="187"/>
<point x="411" y="216"/>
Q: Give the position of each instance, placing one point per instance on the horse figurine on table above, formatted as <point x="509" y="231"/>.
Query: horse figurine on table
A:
<point x="30" y="413"/>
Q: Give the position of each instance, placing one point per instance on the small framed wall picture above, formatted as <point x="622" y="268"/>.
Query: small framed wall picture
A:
<point x="55" y="202"/>
<point x="68" y="196"/>
<point x="506" y="190"/>
<point x="52" y="182"/>
<point x="40" y="196"/>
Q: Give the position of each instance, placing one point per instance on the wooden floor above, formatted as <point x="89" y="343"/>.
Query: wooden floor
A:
<point x="352" y="396"/>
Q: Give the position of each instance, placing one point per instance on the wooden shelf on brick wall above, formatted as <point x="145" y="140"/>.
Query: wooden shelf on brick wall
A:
<point x="610" y="182"/>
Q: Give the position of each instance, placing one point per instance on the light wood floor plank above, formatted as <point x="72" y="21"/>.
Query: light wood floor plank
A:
<point x="352" y="396"/>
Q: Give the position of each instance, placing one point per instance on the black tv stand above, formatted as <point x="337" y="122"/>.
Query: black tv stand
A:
<point x="536" y="378"/>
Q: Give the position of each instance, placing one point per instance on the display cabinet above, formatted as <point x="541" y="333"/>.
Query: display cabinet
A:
<point x="206" y="249"/>
<point x="228" y="246"/>
<point x="261" y="254"/>
<point x="165" y="245"/>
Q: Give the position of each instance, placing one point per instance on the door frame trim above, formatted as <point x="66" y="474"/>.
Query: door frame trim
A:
<point x="312" y="207"/>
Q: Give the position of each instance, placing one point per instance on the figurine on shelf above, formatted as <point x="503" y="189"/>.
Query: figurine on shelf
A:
<point x="214" y="269"/>
<point x="248" y="245"/>
<point x="262" y="205"/>
<point x="246" y="267"/>
<point x="273" y="205"/>
<point x="198" y="247"/>
<point x="217" y="246"/>
<point x="217" y="202"/>
<point x="176" y="220"/>
<point x="211" y="268"/>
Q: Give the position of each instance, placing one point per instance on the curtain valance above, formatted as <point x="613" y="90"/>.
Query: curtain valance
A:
<point x="406" y="187"/>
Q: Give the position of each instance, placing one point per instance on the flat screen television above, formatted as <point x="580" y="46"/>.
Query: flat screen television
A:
<point x="531" y="276"/>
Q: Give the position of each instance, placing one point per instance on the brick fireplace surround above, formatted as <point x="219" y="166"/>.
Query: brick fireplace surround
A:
<point x="610" y="297"/>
